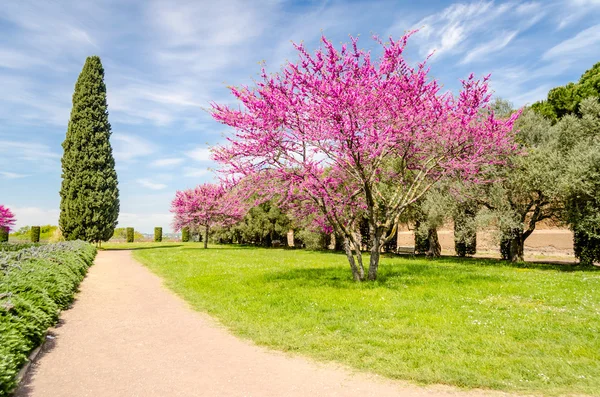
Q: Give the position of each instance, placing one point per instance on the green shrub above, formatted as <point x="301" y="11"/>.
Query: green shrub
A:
<point x="3" y="235"/>
<point x="35" y="234"/>
<point x="158" y="234"/>
<point x="16" y="246"/>
<point x="130" y="234"/>
<point x="36" y="282"/>
<point x="311" y="240"/>
<point x="185" y="234"/>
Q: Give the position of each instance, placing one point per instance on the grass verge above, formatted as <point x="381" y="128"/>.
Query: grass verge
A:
<point x="471" y="323"/>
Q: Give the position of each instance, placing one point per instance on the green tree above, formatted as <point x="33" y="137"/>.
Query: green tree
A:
<point x="579" y="140"/>
<point x="89" y="193"/>
<point x="566" y="99"/>
<point x="528" y="191"/>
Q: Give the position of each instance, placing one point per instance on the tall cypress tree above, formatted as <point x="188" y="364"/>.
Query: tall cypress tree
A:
<point x="89" y="205"/>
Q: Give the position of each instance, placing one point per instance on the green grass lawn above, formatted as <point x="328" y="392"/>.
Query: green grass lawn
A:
<point x="470" y="323"/>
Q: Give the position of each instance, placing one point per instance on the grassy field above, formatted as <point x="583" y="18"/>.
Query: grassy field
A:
<point x="470" y="323"/>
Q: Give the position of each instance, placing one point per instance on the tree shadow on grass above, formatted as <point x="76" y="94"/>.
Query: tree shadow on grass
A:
<point x="550" y="265"/>
<point x="140" y="248"/>
<point x="396" y="272"/>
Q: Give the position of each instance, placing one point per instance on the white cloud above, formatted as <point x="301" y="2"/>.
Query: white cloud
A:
<point x="495" y="45"/>
<point x="199" y="154"/>
<point x="30" y="151"/>
<point x="151" y="185"/>
<point x="146" y="222"/>
<point x="129" y="147"/>
<point x="192" y="172"/>
<point x="584" y="43"/>
<point x="445" y="31"/>
<point x="169" y="162"/>
<point x="573" y="10"/>
<point x="34" y="216"/>
<point x="12" y="175"/>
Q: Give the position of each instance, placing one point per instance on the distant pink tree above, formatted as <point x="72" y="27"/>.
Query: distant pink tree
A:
<point x="206" y="205"/>
<point x="7" y="219"/>
<point x="352" y="138"/>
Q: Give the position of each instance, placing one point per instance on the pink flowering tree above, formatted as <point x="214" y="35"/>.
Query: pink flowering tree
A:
<point x="206" y="205"/>
<point x="7" y="220"/>
<point x="353" y="137"/>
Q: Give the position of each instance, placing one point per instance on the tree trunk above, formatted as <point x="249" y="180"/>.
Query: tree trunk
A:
<point x="512" y="246"/>
<point x="206" y="236"/>
<point x="358" y="272"/>
<point x="435" y="249"/>
<point x="375" y="254"/>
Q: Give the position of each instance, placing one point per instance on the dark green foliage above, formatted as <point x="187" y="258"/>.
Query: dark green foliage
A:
<point x="185" y="234"/>
<point x="587" y="247"/>
<point x="130" y="234"/>
<point x="465" y="230"/>
<point x="35" y="284"/>
<point x="158" y="234"/>
<point x="3" y="235"/>
<point x="262" y="225"/>
<point x="35" y="234"/>
<point x="421" y="240"/>
<point x="89" y="193"/>
<point x="567" y="99"/>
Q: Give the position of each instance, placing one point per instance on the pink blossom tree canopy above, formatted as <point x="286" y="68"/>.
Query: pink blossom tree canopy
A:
<point x="7" y="219"/>
<point x="352" y="137"/>
<point x="206" y="205"/>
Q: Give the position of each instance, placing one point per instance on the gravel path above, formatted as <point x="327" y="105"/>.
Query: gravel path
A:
<point x="127" y="335"/>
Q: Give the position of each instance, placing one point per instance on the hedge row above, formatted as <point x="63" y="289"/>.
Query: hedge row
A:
<point x="35" y="284"/>
<point x="16" y="246"/>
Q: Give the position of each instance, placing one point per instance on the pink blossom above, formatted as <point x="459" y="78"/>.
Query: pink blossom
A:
<point x="349" y="137"/>
<point x="7" y="218"/>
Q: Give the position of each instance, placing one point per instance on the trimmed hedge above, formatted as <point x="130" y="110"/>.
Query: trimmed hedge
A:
<point x="158" y="234"/>
<point x="3" y="234"/>
<point x="35" y="284"/>
<point x="35" y="234"/>
<point x="130" y="234"/>
<point x="16" y="246"/>
<point x="185" y="234"/>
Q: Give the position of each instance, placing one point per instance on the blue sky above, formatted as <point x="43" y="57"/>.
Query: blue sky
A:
<point x="165" y="60"/>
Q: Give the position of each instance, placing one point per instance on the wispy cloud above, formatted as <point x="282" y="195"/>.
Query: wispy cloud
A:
<point x="199" y="154"/>
<point x="128" y="147"/>
<point x="30" y="151"/>
<point x="495" y="45"/>
<point x="192" y="172"/>
<point x="585" y="43"/>
<point x="170" y="162"/>
<point x="12" y="175"/>
<point x="151" y="185"/>
<point x="444" y="32"/>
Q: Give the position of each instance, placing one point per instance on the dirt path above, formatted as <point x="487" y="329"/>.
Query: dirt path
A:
<point x="127" y="335"/>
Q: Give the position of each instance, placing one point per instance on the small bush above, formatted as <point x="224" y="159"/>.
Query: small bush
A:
<point x="185" y="234"/>
<point x="56" y="236"/>
<point x="35" y="234"/>
<point x="11" y="247"/>
<point x="3" y="234"/>
<point x="311" y="240"/>
<point x="158" y="234"/>
<point x="130" y="234"/>
<point x="36" y="282"/>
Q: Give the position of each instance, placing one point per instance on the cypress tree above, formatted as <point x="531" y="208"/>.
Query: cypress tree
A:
<point x="89" y="205"/>
<point x="35" y="234"/>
